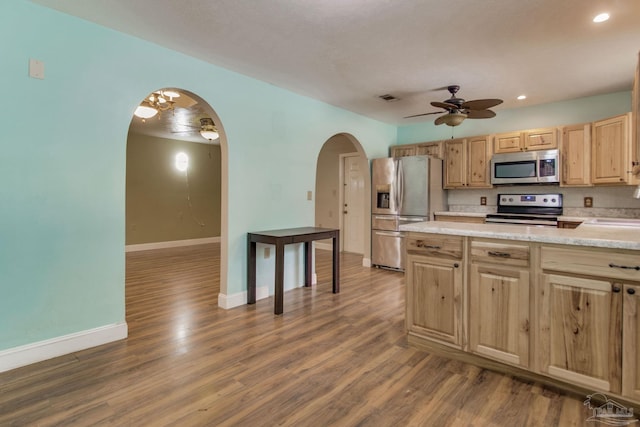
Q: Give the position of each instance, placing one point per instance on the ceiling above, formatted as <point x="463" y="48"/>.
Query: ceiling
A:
<point x="349" y="52"/>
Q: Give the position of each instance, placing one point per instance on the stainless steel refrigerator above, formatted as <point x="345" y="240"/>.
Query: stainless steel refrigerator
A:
<point x="404" y="190"/>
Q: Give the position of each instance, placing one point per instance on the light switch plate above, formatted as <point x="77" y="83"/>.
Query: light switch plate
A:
<point x="36" y="69"/>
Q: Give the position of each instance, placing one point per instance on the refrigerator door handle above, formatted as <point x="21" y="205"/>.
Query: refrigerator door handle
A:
<point x="399" y="185"/>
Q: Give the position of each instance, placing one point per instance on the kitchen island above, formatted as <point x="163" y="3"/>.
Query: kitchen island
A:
<point x="558" y="306"/>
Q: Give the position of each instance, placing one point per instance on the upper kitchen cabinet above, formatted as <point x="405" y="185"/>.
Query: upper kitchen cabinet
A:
<point x="467" y="162"/>
<point x="635" y="117"/>
<point x="529" y="140"/>
<point x="433" y="149"/>
<point x="402" y="150"/>
<point x="576" y="156"/>
<point x="611" y="151"/>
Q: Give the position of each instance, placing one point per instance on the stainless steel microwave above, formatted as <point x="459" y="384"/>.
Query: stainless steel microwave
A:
<point x="529" y="167"/>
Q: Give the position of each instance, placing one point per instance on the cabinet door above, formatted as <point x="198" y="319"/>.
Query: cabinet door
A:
<point x="433" y="149"/>
<point x="576" y="156"/>
<point x="455" y="163"/>
<point x="403" y="151"/>
<point x="508" y="142"/>
<point x="478" y="158"/>
<point x="580" y="328"/>
<point x="434" y="299"/>
<point x="540" y="139"/>
<point x="499" y="313"/>
<point x="610" y="151"/>
<point x="631" y="342"/>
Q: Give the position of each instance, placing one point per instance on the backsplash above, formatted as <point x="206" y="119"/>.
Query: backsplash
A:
<point x="608" y="202"/>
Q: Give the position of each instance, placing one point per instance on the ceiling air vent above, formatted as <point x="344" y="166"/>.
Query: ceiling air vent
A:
<point x="389" y="98"/>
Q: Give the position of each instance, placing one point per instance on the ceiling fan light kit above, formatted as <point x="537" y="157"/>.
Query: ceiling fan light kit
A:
<point x="458" y="109"/>
<point x="208" y="129"/>
<point x="156" y="102"/>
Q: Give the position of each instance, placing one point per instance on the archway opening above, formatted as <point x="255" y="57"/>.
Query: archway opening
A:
<point x="343" y="189"/>
<point x="176" y="195"/>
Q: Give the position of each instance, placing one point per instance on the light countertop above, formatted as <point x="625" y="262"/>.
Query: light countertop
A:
<point x="584" y="235"/>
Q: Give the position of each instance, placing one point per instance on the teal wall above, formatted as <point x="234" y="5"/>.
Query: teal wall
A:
<point x="62" y="210"/>
<point x="574" y="111"/>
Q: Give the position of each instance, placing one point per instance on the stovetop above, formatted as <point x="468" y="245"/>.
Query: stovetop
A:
<point x="528" y="209"/>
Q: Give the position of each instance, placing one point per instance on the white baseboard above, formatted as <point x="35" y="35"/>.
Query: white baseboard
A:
<point x="59" y="346"/>
<point x="236" y="300"/>
<point x="366" y="262"/>
<point x="170" y="244"/>
<point x="323" y="246"/>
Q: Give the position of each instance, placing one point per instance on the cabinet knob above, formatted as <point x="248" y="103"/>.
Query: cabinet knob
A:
<point x="456" y="265"/>
<point x="616" y="289"/>
<point x="631" y="291"/>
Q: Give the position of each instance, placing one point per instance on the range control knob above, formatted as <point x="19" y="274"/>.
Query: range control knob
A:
<point x="511" y="199"/>
<point x="553" y="200"/>
<point x="545" y="200"/>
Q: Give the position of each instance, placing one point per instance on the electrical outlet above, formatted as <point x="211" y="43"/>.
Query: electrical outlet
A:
<point x="309" y="195"/>
<point x="483" y="201"/>
<point x="267" y="252"/>
<point x="588" y="202"/>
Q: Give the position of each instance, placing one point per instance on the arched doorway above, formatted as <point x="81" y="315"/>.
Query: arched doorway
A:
<point x="171" y="204"/>
<point x="342" y="190"/>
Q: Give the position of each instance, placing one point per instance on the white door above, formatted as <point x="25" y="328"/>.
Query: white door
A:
<point x="353" y="205"/>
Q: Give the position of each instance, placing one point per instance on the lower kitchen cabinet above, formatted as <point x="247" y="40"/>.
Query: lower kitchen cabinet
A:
<point x="631" y="342"/>
<point x="499" y="313"/>
<point x="434" y="290"/>
<point x="499" y="301"/>
<point x="581" y="331"/>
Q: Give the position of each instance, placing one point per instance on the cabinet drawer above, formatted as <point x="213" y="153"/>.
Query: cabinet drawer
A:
<point x="435" y="245"/>
<point x="615" y="265"/>
<point x="499" y="252"/>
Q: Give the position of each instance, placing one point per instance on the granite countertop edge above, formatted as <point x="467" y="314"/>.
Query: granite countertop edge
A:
<point x="595" y="236"/>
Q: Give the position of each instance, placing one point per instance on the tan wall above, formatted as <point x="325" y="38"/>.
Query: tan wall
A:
<point x="328" y="180"/>
<point x="157" y="209"/>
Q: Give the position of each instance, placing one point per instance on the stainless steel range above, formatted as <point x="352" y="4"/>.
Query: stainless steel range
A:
<point x="528" y="209"/>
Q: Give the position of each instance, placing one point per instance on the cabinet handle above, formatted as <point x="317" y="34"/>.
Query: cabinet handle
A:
<point x="616" y="289"/>
<point x="499" y="254"/>
<point x="631" y="291"/>
<point x="626" y="267"/>
<point x="421" y="244"/>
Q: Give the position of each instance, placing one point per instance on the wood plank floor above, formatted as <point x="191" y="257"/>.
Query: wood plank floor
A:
<point x="339" y="360"/>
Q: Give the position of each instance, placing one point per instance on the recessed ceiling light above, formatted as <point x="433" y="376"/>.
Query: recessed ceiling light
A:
<point x="601" y="17"/>
<point x="521" y="97"/>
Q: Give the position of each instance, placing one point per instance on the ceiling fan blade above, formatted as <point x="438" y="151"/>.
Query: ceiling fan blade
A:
<point x="444" y="105"/>
<point x="480" y="114"/>
<point x="480" y="104"/>
<point x="425" y="114"/>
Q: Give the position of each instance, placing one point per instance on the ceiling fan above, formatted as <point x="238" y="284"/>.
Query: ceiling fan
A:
<point x="458" y="109"/>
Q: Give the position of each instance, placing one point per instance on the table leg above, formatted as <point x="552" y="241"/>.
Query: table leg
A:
<point x="279" y="285"/>
<point x="336" y="263"/>
<point x="251" y="271"/>
<point x="308" y="262"/>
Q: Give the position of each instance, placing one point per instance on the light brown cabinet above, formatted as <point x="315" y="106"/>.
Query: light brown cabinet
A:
<point x="635" y="117"/>
<point x="499" y="301"/>
<point x="631" y="342"/>
<point x="459" y="218"/>
<point x="434" y="288"/>
<point x="529" y="140"/>
<point x="581" y="331"/>
<point x="576" y="156"/>
<point x="402" y="150"/>
<point x="467" y="162"/>
<point x="433" y="149"/>
<point x="611" y="151"/>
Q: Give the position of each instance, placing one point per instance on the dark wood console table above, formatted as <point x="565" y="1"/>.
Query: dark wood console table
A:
<point x="283" y="237"/>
